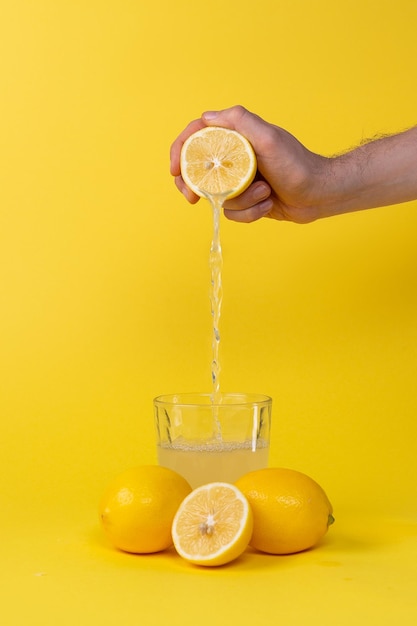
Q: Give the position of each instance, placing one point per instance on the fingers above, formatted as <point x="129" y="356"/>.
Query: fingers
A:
<point x="175" y="152"/>
<point x="251" y="205"/>
<point x="252" y="214"/>
<point x="254" y="194"/>
<point x="186" y="191"/>
<point x="238" y="118"/>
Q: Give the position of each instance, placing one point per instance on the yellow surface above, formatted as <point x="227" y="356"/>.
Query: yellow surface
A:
<point x="104" y="302"/>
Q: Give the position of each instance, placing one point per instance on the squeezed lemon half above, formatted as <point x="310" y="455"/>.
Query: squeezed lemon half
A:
<point x="217" y="162"/>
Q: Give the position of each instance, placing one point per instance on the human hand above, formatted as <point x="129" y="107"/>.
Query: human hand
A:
<point x="294" y="184"/>
<point x="288" y="178"/>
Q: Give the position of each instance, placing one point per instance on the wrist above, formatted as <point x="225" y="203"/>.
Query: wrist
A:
<point x="347" y="183"/>
<point x="325" y="192"/>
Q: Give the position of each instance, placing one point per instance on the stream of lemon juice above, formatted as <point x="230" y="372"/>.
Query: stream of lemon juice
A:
<point x="215" y="459"/>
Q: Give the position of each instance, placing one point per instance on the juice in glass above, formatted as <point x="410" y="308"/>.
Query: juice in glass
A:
<point x="207" y="442"/>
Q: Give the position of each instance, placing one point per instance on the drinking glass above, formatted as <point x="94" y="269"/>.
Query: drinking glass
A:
<point x="209" y="442"/>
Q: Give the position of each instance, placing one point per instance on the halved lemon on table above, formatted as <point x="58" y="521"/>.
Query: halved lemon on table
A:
<point x="217" y="161"/>
<point x="213" y="525"/>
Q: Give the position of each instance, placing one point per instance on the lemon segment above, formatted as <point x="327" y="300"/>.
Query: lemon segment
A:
<point x="213" y="525"/>
<point x="217" y="162"/>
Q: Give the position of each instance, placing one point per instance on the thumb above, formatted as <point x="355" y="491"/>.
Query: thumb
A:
<point x="240" y="119"/>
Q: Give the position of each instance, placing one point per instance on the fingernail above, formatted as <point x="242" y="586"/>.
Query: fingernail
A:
<point x="209" y="115"/>
<point x="265" y="206"/>
<point x="260" y="192"/>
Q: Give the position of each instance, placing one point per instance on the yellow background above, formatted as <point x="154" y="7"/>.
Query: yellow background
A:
<point x="104" y="302"/>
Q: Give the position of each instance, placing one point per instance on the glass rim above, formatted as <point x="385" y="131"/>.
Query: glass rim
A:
<point x="200" y="399"/>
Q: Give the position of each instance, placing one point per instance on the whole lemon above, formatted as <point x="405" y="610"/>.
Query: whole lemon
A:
<point x="291" y="512"/>
<point x="138" y="507"/>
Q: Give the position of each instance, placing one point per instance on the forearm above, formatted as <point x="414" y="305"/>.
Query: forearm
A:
<point x="379" y="173"/>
